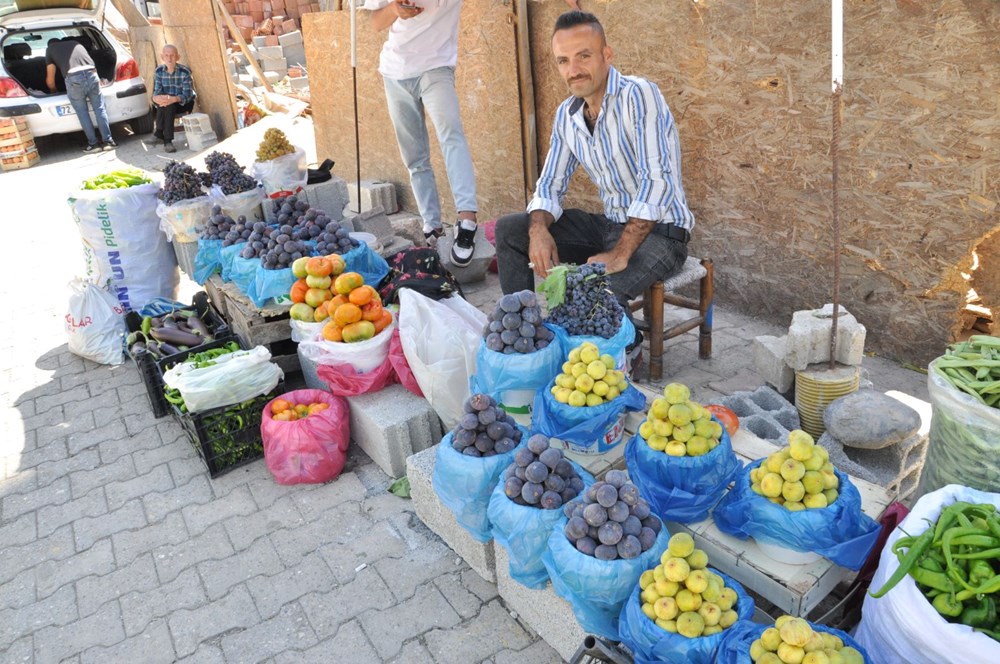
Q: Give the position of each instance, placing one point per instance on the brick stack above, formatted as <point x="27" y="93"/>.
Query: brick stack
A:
<point x="17" y="145"/>
<point x="269" y="18"/>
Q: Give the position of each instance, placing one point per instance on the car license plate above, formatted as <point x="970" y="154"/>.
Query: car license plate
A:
<point x="65" y="109"/>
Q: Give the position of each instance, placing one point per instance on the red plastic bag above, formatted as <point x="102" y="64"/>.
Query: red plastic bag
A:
<point x="344" y="381"/>
<point x="404" y="375"/>
<point x="311" y="450"/>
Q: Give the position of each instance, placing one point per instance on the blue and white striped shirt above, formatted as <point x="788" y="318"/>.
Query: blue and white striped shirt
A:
<point x="633" y="156"/>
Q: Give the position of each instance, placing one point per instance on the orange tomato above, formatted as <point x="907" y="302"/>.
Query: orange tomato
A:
<point x="346" y="314"/>
<point x="319" y="266"/>
<point x="322" y="312"/>
<point x="301" y="409"/>
<point x="298" y="291"/>
<point x="725" y="416"/>
<point x="362" y="295"/>
<point x="279" y="405"/>
<point x="347" y="282"/>
<point x="332" y="332"/>
<point x="284" y="416"/>
<point x="384" y="321"/>
<point x="372" y="311"/>
<point x="317" y="408"/>
<point x="337" y="261"/>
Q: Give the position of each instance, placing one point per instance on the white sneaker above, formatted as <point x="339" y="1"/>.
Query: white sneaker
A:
<point x="465" y="243"/>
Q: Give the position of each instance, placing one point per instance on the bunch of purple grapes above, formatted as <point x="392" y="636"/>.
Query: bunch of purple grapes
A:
<point x="180" y="183"/>
<point x="589" y="307"/>
<point x="612" y="520"/>
<point x="541" y="477"/>
<point x="484" y="430"/>
<point x="227" y="174"/>
<point x="515" y="326"/>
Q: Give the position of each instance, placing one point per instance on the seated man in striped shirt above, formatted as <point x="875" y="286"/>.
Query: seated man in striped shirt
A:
<point x="620" y="130"/>
<point x="173" y="95"/>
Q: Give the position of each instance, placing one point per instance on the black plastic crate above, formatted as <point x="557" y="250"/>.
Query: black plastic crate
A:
<point x="144" y="362"/>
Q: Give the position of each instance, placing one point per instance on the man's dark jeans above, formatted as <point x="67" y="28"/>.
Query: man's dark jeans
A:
<point x="165" y="116"/>
<point x="578" y="236"/>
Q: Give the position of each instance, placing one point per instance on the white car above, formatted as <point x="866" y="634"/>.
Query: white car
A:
<point x="25" y="32"/>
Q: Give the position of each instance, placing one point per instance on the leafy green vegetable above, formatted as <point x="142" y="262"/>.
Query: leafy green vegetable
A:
<point x="554" y="286"/>
<point x="400" y="487"/>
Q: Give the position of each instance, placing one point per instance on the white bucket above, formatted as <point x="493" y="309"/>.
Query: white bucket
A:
<point x="517" y="404"/>
<point x="788" y="556"/>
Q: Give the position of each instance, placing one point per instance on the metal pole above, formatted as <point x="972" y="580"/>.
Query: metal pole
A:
<point x="837" y="72"/>
<point x="354" y="81"/>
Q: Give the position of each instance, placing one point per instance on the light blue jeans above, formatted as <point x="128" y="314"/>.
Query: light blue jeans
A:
<point x="433" y="91"/>
<point x="82" y="87"/>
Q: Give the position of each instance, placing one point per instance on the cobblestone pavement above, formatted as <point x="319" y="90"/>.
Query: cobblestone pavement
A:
<point x="115" y="546"/>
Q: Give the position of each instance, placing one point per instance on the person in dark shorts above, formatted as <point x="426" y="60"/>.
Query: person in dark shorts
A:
<point x="83" y="88"/>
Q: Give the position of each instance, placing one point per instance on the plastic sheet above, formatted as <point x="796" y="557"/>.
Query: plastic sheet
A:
<point x="208" y="260"/>
<point x="464" y="484"/>
<point x="902" y="626"/>
<point x="596" y="589"/>
<point x="524" y="532"/>
<point x="735" y="647"/>
<point x="311" y="450"/>
<point x="362" y="356"/>
<point x="681" y="489"/>
<point x="244" y="273"/>
<point x="245" y="203"/>
<point x="586" y="429"/>
<point x="282" y="175"/>
<point x="840" y="532"/>
<point x="182" y="221"/>
<point x="397" y="358"/>
<point x="269" y="284"/>
<point x="497" y="373"/>
<point x="652" y="645"/>
<point x="228" y="256"/>
<point x="615" y="346"/>
<point x="234" y="378"/>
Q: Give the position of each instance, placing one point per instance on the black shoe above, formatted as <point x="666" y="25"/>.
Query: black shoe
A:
<point x="153" y="141"/>
<point x="169" y="146"/>
<point x="464" y="245"/>
<point x="110" y="145"/>
<point x="433" y="233"/>
<point x="90" y="149"/>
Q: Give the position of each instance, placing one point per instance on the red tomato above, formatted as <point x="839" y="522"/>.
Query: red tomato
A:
<point x="726" y="416"/>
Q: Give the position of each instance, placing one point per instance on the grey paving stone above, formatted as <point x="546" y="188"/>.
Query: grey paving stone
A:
<point x="45" y="403"/>
<point x="189" y="628"/>
<point x="140" y="608"/>
<point x="537" y="653"/>
<point x="260" y="559"/>
<point x="491" y="631"/>
<point x="22" y="650"/>
<point x="386" y="505"/>
<point x="342" y="525"/>
<point x="53" y="451"/>
<point x="18" y="481"/>
<point x="390" y="628"/>
<point x="20" y="531"/>
<point x="184" y="462"/>
<point x="417" y="567"/>
<point x="90" y="529"/>
<point x="244" y="530"/>
<point x="103" y="628"/>
<point x="328" y="610"/>
<point x="238" y="502"/>
<point x="346" y="488"/>
<point x="156" y="480"/>
<point x="57" y="609"/>
<point x="51" y="419"/>
<point x="51" y="517"/>
<point x="19" y="591"/>
<point x="465" y="603"/>
<point x="173" y="447"/>
<point x="50" y="472"/>
<point x="94" y="591"/>
<point x="241" y="478"/>
<point x="746" y="380"/>
<point x="479" y="586"/>
<point x="207" y="653"/>
<point x="412" y="652"/>
<point x="172" y="559"/>
<point x="16" y="559"/>
<point x="57" y="432"/>
<point x="270" y="593"/>
<point x="131" y="544"/>
<point x="349" y="645"/>
<point x="112" y="450"/>
<point x="81" y="440"/>
<point x="119" y="376"/>
<point x="266" y="491"/>
<point x="84" y="481"/>
<point x="381" y="541"/>
<point x="159" y="504"/>
<point x="289" y="630"/>
<point x="52" y="575"/>
<point x="152" y="646"/>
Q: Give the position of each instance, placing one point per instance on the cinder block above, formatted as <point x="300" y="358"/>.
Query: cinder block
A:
<point x="437" y="517"/>
<point x="300" y="83"/>
<point x="271" y="76"/>
<point x="260" y="41"/>
<point x="482" y="255"/>
<point x="376" y="222"/>
<point x="547" y="614"/>
<point x="295" y="54"/>
<point x="897" y="467"/>
<point x="197" y="123"/>
<point x="269" y="53"/>
<point x="198" y="142"/>
<point x="769" y="360"/>
<point x="246" y="80"/>
<point x="408" y="226"/>
<point x="374" y="193"/>
<point x="397" y="245"/>
<point x="329" y="196"/>
<point x="765" y="413"/>
<point x="290" y="38"/>
<point x="391" y="425"/>
<point x="808" y="340"/>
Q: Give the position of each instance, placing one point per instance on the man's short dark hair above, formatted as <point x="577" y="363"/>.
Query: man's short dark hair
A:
<point x="575" y="17"/>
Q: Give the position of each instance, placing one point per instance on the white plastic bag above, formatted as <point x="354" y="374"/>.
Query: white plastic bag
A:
<point x="95" y="323"/>
<point x="303" y="330"/>
<point x="440" y="339"/>
<point x="233" y="378"/>
<point x="245" y="203"/>
<point x="123" y="244"/>
<point x="182" y="221"/>
<point x="902" y="626"/>
<point x="363" y="356"/>
<point x="283" y="175"/>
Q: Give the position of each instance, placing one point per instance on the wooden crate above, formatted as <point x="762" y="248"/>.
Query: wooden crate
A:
<point x="24" y="160"/>
<point x="266" y="326"/>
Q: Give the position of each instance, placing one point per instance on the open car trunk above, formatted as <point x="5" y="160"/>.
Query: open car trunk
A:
<point x="24" y="55"/>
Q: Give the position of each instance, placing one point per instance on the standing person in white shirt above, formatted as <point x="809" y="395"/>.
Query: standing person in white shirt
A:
<point x="418" y="70"/>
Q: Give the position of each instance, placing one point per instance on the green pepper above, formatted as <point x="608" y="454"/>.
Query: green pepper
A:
<point x="146" y="325"/>
<point x="907" y="563"/>
<point x="931" y="579"/>
<point x="980" y="571"/>
<point x="947" y="605"/>
<point x="978" y="615"/>
<point x="931" y="564"/>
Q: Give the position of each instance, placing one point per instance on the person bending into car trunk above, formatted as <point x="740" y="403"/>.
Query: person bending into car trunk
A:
<point x="173" y="95"/>
<point x="83" y="87"/>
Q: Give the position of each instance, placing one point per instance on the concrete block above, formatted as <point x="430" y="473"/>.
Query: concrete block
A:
<point x="376" y="222"/>
<point x="437" y="517"/>
<point x="246" y="80"/>
<point x="769" y="360"/>
<point x="290" y="38"/>
<point x="808" y="340"/>
<point x="482" y="255"/>
<point x="329" y="196"/>
<point x="897" y="468"/>
<point x="300" y="83"/>
<point x="271" y="76"/>
<point x="547" y="614"/>
<point x="274" y="64"/>
<point x="198" y="142"/>
<point x="391" y="425"/>
<point x="296" y="55"/>
<point x="269" y="53"/>
<point x="765" y="413"/>
<point x="260" y="41"/>
<point x="374" y="193"/>
<point x="397" y="245"/>
<point x="409" y="226"/>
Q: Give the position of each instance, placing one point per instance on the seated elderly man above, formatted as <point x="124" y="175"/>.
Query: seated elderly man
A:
<point x="173" y="95"/>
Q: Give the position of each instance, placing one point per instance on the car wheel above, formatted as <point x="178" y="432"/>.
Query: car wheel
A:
<point x="143" y="125"/>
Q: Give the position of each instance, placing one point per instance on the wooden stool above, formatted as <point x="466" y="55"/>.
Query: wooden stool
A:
<point x="658" y="294"/>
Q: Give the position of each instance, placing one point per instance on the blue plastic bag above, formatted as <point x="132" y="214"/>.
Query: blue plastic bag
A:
<point x="840" y="532"/>
<point x="208" y="260"/>
<point x="367" y="263"/>
<point x="586" y="429"/>
<point x="596" y="589"/>
<point x="161" y="306"/>
<point x="681" y="489"/>
<point x="244" y="273"/>
<point x="464" y="484"/>
<point x="226" y="257"/>
<point x="496" y="372"/>
<point x="735" y="647"/>
<point x="524" y="532"/>
<point x="269" y="284"/>
<point x="615" y="346"/>
<point x="651" y="645"/>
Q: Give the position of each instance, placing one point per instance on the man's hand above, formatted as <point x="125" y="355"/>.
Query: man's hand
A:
<point x="542" y="249"/>
<point x="632" y="236"/>
<point x="404" y="9"/>
<point x="613" y="262"/>
<point x="163" y="100"/>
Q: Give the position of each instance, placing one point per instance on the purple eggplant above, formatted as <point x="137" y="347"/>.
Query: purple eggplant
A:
<point x="176" y="337"/>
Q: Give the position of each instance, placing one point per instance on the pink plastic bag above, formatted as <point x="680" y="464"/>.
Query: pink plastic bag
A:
<point x="344" y="381"/>
<point x="404" y="375"/>
<point x="311" y="450"/>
